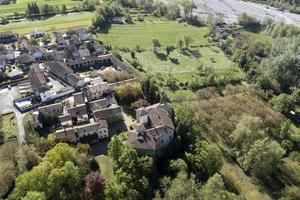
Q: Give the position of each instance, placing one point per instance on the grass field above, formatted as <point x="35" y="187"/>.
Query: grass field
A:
<point x="21" y="5"/>
<point x="58" y="22"/>
<point x="106" y="166"/>
<point x="8" y="127"/>
<point x="180" y="63"/>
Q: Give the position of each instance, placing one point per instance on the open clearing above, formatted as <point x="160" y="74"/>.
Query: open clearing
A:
<point x="9" y="127"/>
<point x="21" y="5"/>
<point x="106" y="166"/>
<point x="58" y="22"/>
<point x="181" y="64"/>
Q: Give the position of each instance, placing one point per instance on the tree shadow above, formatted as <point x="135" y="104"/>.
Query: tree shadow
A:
<point x="161" y="56"/>
<point x="191" y="53"/>
<point x="174" y="61"/>
<point x="105" y="29"/>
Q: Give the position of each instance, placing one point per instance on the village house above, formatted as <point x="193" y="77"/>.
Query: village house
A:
<point x="118" y="20"/>
<point x="37" y="52"/>
<point x="25" y="60"/>
<point x="36" y="34"/>
<point x="65" y="73"/>
<point x="8" y="37"/>
<point x="154" y="131"/>
<point x="112" y="113"/>
<point x="98" y="47"/>
<point x="9" y="54"/>
<point x="76" y="111"/>
<point x="23" y="46"/>
<point x="52" y="110"/>
<point x="91" y="132"/>
<point x="38" y="82"/>
<point x="97" y="61"/>
<point x="15" y="74"/>
<point x="59" y="39"/>
<point x="97" y="91"/>
<point x="2" y="63"/>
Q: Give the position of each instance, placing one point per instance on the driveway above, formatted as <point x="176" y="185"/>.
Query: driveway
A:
<point x="6" y="106"/>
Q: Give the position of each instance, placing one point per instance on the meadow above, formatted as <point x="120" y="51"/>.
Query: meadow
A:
<point x="21" y="5"/>
<point x="58" y="22"/>
<point x="180" y="64"/>
<point x="8" y="127"/>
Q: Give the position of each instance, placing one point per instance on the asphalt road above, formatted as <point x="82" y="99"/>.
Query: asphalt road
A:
<point x="229" y="10"/>
<point x="6" y="106"/>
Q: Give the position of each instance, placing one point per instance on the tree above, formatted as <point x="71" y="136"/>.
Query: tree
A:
<point x="64" y="9"/>
<point x="215" y="189"/>
<point x="248" y="130"/>
<point x="133" y="177"/>
<point x="60" y="175"/>
<point x="284" y="103"/>
<point x="180" y="43"/>
<point x="156" y="44"/>
<point x="34" y="196"/>
<point x="128" y="18"/>
<point x="94" y="186"/>
<point x="182" y="187"/>
<point x="115" y="149"/>
<point x="169" y="49"/>
<point x="129" y="92"/>
<point x="187" y="8"/>
<point x="290" y="193"/>
<point x="263" y="158"/>
<point x="205" y="159"/>
<point x="283" y="63"/>
<point x="178" y="165"/>
<point x="187" y="41"/>
<point x="132" y="54"/>
<point x="248" y="22"/>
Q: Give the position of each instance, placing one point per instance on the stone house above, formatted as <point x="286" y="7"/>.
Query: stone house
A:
<point x="154" y="131"/>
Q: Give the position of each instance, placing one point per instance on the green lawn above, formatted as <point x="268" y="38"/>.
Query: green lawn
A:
<point x="21" y="5"/>
<point x="58" y="22"/>
<point x="106" y="166"/>
<point x="8" y="125"/>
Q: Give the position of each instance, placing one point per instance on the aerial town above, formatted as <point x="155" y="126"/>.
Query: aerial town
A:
<point x="61" y="78"/>
<point x="149" y="99"/>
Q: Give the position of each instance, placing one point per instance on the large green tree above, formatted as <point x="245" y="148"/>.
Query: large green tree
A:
<point x="60" y="175"/>
<point x="264" y="158"/>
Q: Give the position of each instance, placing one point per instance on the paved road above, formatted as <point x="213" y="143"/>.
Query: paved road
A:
<point x="6" y="106"/>
<point x="231" y="9"/>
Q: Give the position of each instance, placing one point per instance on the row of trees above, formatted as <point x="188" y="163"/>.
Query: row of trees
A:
<point x="104" y="15"/>
<point x="36" y="10"/>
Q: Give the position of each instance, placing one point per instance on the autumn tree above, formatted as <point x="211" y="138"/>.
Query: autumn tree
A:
<point x="94" y="186"/>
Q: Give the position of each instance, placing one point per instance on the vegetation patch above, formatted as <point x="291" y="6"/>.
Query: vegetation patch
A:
<point x="106" y="166"/>
<point x="9" y="129"/>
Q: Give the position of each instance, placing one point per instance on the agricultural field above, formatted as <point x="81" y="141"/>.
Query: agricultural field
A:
<point x="21" y="5"/>
<point x="58" y="22"/>
<point x="8" y="127"/>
